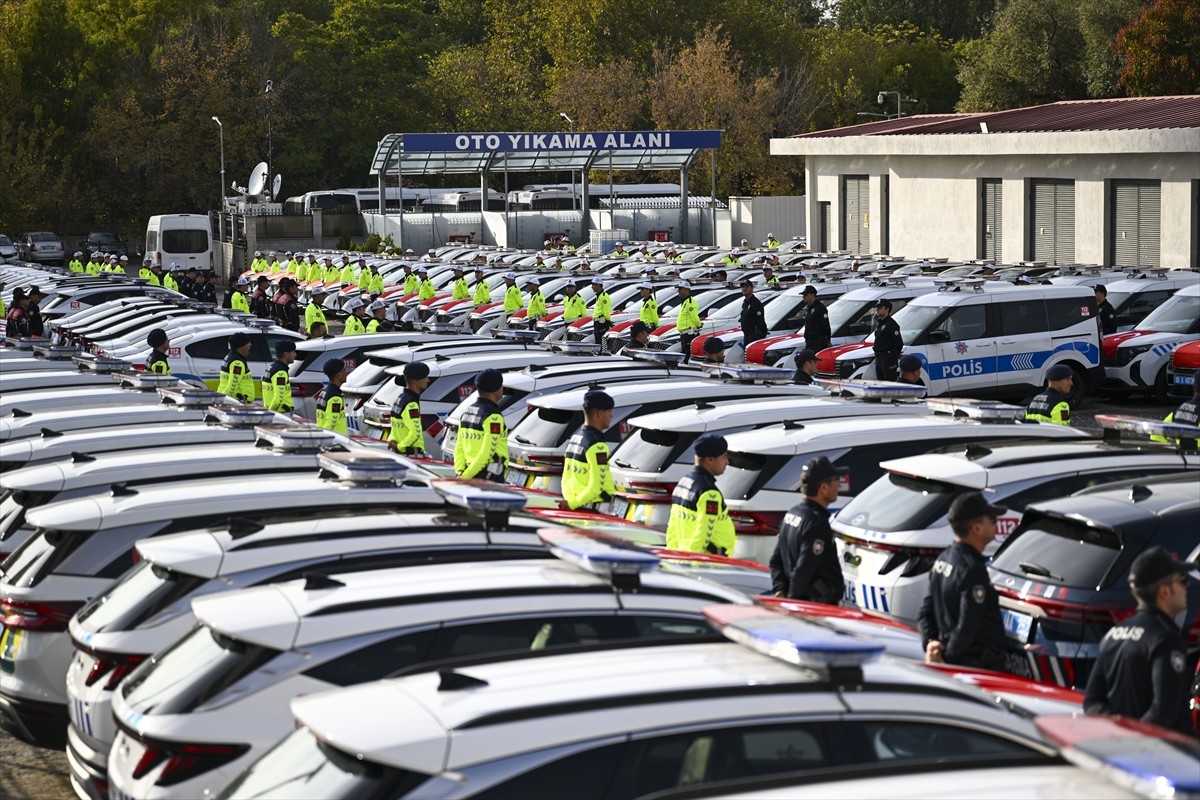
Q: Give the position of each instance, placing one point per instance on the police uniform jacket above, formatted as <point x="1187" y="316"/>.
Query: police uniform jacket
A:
<point x="407" y="433"/>
<point x="287" y="311"/>
<point x="377" y="325"/>
<point x="1141" y="672"/>
<point x="206" y="293"/>
<point x="962" y="610"/>
<point x="354" y="325"/>
<point x="513" y="301"/>
<point x="238" y="302"/>
<point x="461" y="292"/>
<point x="260" y="304"/>
<point x="805" y="564"/>
<point x="537" y="305"/>
<point x="754" y="323"/>
<point x="331" y="410"/>
<point x="587" y="478"/>
<point x="235" y="378"/>
<point x="170" y="283"/>
<point x="427" y="290"/>
<point x="313" y="313"/>
<point x="1108" y="317"/>
<point x="649" y="312"/>
<point x="187" y="286"/>
<point x="1050" y="406"/>
<point x="602" y="308"/>
<point x="689" y="316"/>
<point x="482" y="446"/>
<point x="816" y="327"/>
<point x="699" y="520"/>
<point x="277" y="387"/>
<point x="411" y="283"/>
<point x="888" y="342"/>
<point x="573" y="307"/>
<point x="158" y="364"/>
<point x="802" y="378"/>
<point x="482" y="295"/>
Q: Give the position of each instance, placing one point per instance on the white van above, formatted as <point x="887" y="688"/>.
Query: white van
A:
<point x="185" y="239"/>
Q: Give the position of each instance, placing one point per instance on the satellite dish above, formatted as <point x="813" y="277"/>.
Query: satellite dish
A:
<point x="275" y="186"/>
<point x="258" y="179"/>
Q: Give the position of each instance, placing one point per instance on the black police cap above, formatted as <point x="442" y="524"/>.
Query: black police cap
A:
<point x="1058" y="372"/>
<point x="489" y="380"/>
<point x="804" y="356"/>
<point x="284" y="346"/>
<point x="156" y="337"/>
<point x="239" y="339"/>
<point x="416" y="371"/>
<point x="970" y="506"/>
<point x="333" y="366"/>
<point x="818" y="470"/>
<point x="598" y="400"/>
<point x="910" y="363"/>
<point x="1152" y="565"/>
<point x="714" y="345"/>
<point x="710" y="445"/>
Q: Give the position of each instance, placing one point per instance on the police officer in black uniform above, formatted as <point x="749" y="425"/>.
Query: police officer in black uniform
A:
<point x="806" y="367"/>
<point x="960" y="618"/>
<point x="888" y="342"/>
<point x="1141" y="671"/>
<point x="714" y="350"/>
<point x="187" y="283"/>
<point x="1188" y="412"/>
<point x="805" y="563"/>
<point x="910" y="370"/>
<point x="639" y="335"/>
<point x="157" y="362"/>
<point x="206" y="292"/>
<point x="753" y="319"/>
<point x="1105" y="311"/>
<point x="817" y="335"/>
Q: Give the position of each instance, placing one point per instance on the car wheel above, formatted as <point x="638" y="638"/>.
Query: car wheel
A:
<point x="1160" y="387"/>
<point x="1078" y="387"/>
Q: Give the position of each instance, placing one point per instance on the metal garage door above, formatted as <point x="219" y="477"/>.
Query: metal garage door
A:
<point x="826" y="242"/>
<point x="856" y="205"/>
<point x="1136" y="207"/>
<point x="991" y="219"/>
<point x="1053" y="216"/>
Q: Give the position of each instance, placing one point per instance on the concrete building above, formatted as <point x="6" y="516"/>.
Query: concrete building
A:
<point x="1114" y="182"/>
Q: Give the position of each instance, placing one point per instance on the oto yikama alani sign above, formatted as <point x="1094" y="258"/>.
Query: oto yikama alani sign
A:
<point x="540" y="142"/>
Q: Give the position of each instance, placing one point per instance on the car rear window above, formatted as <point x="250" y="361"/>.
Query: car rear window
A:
<point x="195" y="669"/>
<point x="649" y="449"/>
<point x="103" y="554"/>
<point x="900" y="503"/>
<point x="184" y="241"/>
<point x="136" y="596"/>
<point x="14" y="506"/>
<point x="747" y="473"/>
<point x="549" y="427"/>
<point x="1061" y="552"/>
<point x="43" y="237"/>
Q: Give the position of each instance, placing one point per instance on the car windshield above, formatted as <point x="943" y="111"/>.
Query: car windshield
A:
<point x="900" y="503"/>
<point x="1180" y="314"/>
<point x="301" y="766"/>
<point x="915" y="319"/>
<point x="844" y="312"/>
<point x="5" y="241"/>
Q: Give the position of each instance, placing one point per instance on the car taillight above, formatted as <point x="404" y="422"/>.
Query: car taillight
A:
<point x="115" y="665"/>
<point x="47" y="617"/>
<point x="139" y="367"/>
<point x="757" y="523"/>
<point x="1104" y="615"/>
<point x="182" y="762"/>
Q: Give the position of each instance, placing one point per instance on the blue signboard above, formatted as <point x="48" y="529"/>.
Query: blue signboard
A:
<point x="542" y="142"/>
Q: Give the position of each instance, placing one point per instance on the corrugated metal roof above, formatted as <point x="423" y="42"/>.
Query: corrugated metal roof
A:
<point x="1121" y="114"/>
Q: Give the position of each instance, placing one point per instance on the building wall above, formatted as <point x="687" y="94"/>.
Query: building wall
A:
<point x="752" y="218"/>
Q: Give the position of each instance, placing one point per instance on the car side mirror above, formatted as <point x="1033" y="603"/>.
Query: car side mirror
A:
<point x="938" y="336"/>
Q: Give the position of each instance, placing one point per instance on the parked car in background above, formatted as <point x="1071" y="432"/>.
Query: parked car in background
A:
<point x="43" y="247"/>
<point x="107" y="242"/>
<point x="8" y="250"/>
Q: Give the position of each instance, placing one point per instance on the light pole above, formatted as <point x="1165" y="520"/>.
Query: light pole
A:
<point x="221" y="197"/>
<point x="882" y="96"/>
<point x="269" y="91"/>
<point x="570" y="122"/>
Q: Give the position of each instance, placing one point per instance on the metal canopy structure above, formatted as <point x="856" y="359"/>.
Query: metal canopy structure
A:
<point x="410" y="154"/>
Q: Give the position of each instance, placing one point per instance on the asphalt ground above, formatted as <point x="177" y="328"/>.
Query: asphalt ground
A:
<point x="34" y="773"/>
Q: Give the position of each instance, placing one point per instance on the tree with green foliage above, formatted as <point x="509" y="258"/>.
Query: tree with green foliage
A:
<point x="1160" y="49"/>
<point x="952" y="19"/>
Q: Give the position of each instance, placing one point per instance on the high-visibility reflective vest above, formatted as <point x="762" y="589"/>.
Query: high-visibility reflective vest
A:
<point x="235" y="378"/>
<point x="699" y="520"/>
<point x="354" y="325"/>
<point x="277" y="388"/>
<point x="331" y="410"/>
<point x="481" y="449"/>
<point x="407" y="434"/>
<point x="586" y="478"/>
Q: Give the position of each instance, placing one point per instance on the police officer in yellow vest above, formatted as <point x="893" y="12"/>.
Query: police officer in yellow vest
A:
<point x="314" y="312"/>
<point x="355" y="322"/>
<point x="238" y="301"/>
<point x="157" y="360"/>
<point x="573" y="305"/>
<point x="461" y="292"/>
<point x="513" y="300"/>
<point x="769" y="279"/>
<point x="772" y="241"/>
<point x="426" y="290"/>
<point x="235" y="370"/>
<point x="277" y="381"/>
<point x="93" y="267"/>
<point x="481" y="450"/>
<point x="649" y="312"/>
<point x="408" y="433"/>
<point x="482" y="294"/>
<point x="76" y="265"/>
<point x="688" y="322"/>
<point x="699" y="520"/>
<point x="411" y="282"/>
<point x="537" y="301"/>
<point x="602" y="313"/>
<point x="377" y="310"/>
<point x="587" y="480"/>
<point x="1051" y="405"/>
<point x="331" y="406"/>
<point x="171" y="279"/>
<point x="347" y="274"/>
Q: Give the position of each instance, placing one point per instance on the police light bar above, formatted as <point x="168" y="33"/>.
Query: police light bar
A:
<point x="887" y="279"/>
<point x="235" y="315"/>
<point x="576" y="348"/>
<point x="959" y="284"/>
<point x="791" y="639"/>
<point x="190" y="396"/>
<point x="293" y="438"/>
<point x="56" y="352"/>
<point x="144" y="381"/>
<point x="657" y="356"/>
<point x="609" y="558"/>
<point x="255" y="322"/>
<point x="476" y="498"/>
<point x="30" y="342"/>
<point x="1143" y="758"/>
<point x="748" y="373"/>
<point x="517" y="335"/>
<point x="1113" y="425"/>
<point x="872" y="390"/>
<point x="362" y="467"/>
<point x="442" y="327"/>
<point x="100" y="365"/>
<point x="207" y="308"/>
<point x="975" y="409"/>
<point x="240" y="416"/>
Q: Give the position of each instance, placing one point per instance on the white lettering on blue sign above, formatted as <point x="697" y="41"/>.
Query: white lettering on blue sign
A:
<point x="552" y="141"/>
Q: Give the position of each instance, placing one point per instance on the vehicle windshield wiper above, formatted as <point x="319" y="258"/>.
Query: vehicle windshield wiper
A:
<point x="1031" y="568"/>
